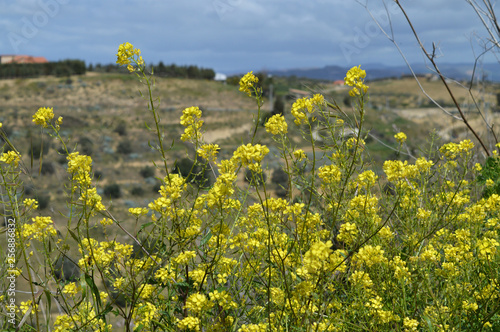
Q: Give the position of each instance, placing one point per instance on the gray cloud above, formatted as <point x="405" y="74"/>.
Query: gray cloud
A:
<point x="236" y="34"/>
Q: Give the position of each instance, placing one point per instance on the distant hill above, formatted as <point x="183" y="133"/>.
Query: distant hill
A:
<point x="460" y="71"/>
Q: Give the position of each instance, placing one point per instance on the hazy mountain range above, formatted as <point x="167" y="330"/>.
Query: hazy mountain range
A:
<point x="457" y="71"/>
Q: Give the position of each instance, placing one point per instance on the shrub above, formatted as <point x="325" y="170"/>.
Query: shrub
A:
<point x="112" y="191"/>
<point x="339" y="255"/>
<point x="86" y="146"/>
<point x="147" y="172"/>
<point x="121" y="128"/>
<point x="43" y="201"/>
<point x="280" y="177"/>
<point x="124" y="147"/>
<point x="137" y="191"/>
<point x="47" y="168"/>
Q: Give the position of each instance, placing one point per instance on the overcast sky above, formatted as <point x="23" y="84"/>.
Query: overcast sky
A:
<point x="238" y="35"/>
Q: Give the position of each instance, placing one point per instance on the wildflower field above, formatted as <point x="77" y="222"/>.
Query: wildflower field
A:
<point x="339" y="249"/>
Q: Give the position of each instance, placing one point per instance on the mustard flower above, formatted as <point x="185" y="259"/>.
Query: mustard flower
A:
<point x="355" y="77"/>
<point x="347" y="233"/>
<point x="144" y="313"/>
<point x="91" y="198"/>
<point x="487" y="248"/>
<point x="316" y="257"/>
<point x="191" y="120"/>
<point x="189" y="323"/>
<point x="10" y="158"/>
<point x="137" y="212"/>
<point x="42" y="116"/>
<point x="41" y="228"/>
<point x="197" y="303"/>
<point x="247" y="83"/>
<point x="329" y="174"/>
<point x="276" y="125"/>
<point x="369" y="256"/>
<point x="361" y="278"/>
<point x="1" y="125"/>
<point x="251" y="156"/>
<point x="367" y="179"/>
<point x="400" y="137"/>
<point x="209" y="151"/>
<point x="70" y="289"/>
<point x="410" y="325"/>
<point x="106" y="222"/>
<point x="184" y="257"/>
<point x="299" y="154"/>
<point x="59" y="122"/>
<point x="126" y="54"/>
<point x="25" y="306"/>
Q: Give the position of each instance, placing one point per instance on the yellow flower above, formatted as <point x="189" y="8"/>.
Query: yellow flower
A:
<point x="137" y="212"/>
<point x="400" y="137"/>
<point x="355" y="77"/>
<point x="247" y="83"/>
<point x="251" y="155"/>
<point x="191" y="120"/>
<point x="11" y="158"/>
<point x="70" y="289"/>
<point x="42" y="116"/>
<point x="209" y="151"/>
<point x="197" y="303"/>
<point x="184" y="257"/>
<point x="329" y="174"/>
<point x="299" y="154"/>
<point x="39" y="229"/>
<point x="125" y="56"/>
<point x="276" y="125"/>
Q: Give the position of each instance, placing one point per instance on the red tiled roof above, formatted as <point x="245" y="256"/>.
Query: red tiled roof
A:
<point x="24" y="59"/>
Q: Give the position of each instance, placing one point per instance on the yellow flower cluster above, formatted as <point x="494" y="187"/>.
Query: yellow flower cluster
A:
<point x="330" y="174"/>
<point x="10" y="158"/>
<point x="189" y="323"/>
<point x="209" y="151"/>
<point x="126" y="54"/>
<point x="251" y="156"/>
<point x="247" y="83"/>
<point x="92" y="200"/>
<point x="80" y="167"/>
<point x="306" y="104"/>
<point x="400" y="137"/>
<point x="184" y="257"/>
<point x="277" y="125"/>
<point x="144" y="313"/>
<point x="31" y="203"/>
<point x="299" y="154"/>
<point x="103" y="253"/>
<point x="170" y="192"/>
<point x="43" y="116"/>
<point x="452" y="150"/>
<point x="39" y="229"/>
<point x="355" y="77"/>
<point x="369" y="256"/>
<point x="137" y="212"/>
<point x="348" y="233"/>
<point x="191" y="120"/>
<point x="70" y="289"/>
<point x="197" y="303"/>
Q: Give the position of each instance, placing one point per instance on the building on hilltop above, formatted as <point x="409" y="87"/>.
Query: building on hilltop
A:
<point x="5" y="59"/>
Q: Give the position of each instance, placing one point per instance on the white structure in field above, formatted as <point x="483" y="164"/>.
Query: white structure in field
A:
<point x="219" y="77"/>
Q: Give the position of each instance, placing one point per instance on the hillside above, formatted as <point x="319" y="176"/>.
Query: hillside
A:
<point x="105" y="117"/>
